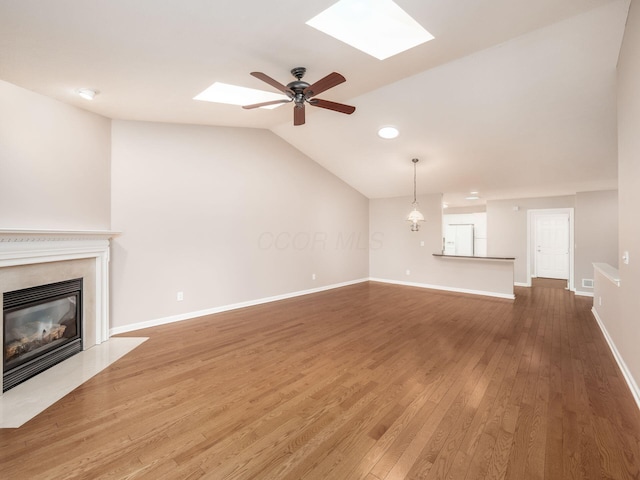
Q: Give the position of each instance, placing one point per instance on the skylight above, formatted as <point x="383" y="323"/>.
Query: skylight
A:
<point x="234" y="95"/>
<point x="379" y="28"/>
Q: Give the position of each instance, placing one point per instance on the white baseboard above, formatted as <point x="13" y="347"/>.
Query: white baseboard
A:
<point x="583" y="294"/>
<point x="447" y="289"/>
<point x="226" y="308"/>
<point x="522" y="284"/>
<point x="633" y="386"/>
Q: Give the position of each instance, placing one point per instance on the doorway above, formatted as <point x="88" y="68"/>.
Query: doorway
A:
<point x="550" y="245"/>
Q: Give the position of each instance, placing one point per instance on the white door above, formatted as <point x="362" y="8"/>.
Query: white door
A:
<point x="552" y="245"/>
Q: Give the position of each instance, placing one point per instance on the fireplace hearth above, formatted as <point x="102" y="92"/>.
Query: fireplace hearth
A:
<point x="42" y="326"/>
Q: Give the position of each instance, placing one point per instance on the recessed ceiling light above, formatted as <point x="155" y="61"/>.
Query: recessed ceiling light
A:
<point x="472" y="197"/>
<point x="473" y="193"/>
<point x="381" y="28"/>
<point x="235" y="95"/>
<point x="86" y="93"/>
<point x="388" y="132"/>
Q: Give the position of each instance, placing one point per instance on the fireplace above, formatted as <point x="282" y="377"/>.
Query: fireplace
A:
<point x="29" y="258"/>
<point x="42" y="326"/>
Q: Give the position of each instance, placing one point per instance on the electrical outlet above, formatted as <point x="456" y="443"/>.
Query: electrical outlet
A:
<point x="180" y="296"/>
<point x="599" y="301"/>
<point x="313" y="276"/>
<point x="408" y="272"/>
<point x="422" y="243"/>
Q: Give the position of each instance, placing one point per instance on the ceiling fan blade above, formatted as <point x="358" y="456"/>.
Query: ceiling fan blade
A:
<point x="298" y="115"/>
<point x="323" y="84"/>
<point x="336" y="107"/>
<point x="274" y="83"/>
<point x="264" y="104"/>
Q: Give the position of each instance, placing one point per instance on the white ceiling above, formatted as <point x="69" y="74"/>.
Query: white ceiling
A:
<point x="513" y="98"/>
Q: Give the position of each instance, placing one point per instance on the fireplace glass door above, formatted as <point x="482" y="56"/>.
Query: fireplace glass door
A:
<point x="42" y="326"/>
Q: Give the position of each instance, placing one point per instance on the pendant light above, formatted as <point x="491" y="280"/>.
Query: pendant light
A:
<point x="415" y="216"/>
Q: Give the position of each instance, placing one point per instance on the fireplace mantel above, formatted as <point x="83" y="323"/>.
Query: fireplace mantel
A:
<point x="23" y="247"/>
<point x="38" y="249"/>
<point x="15" y="235"/>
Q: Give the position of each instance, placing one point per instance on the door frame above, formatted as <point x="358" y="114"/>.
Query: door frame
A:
<point x="531" y="238"/>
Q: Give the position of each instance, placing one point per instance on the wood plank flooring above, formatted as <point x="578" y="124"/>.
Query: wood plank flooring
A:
<point x="370" y="381"/>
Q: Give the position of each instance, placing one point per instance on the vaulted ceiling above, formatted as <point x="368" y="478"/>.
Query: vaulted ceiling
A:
<point x="513" y="98"/>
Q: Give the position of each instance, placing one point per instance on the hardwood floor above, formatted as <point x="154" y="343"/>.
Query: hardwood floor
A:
<point x="370" y="381"/>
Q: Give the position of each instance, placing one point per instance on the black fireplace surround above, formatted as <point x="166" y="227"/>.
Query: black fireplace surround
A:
<point x="42" y="326"/>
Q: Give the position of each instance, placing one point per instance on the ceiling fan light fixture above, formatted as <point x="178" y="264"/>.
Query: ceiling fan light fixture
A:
<point x="300" y="93"/>
<point x="388" y="132"/>
<point x="381" y="29"/>
<point x="235" y="95"/>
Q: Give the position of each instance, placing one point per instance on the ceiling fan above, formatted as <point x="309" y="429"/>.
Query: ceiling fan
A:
<point x="300" y="92"/>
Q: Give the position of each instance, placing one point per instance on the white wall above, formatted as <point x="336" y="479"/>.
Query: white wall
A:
<point x="624" y="327"/>
<point x="395" y="249"/>
<point x="469" y="209"/>
<point x="507" y="228"/>
<point x="596" y="233"/>
<point x="225" y="215"/>
<point x="54" y="164"/>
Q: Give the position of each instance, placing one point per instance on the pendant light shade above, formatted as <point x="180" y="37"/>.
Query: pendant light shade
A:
<point x="415" y="216"/>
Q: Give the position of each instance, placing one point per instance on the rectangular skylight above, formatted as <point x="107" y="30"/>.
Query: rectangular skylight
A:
<point x="235" y="95"/>
<point x="379" y="28"/>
